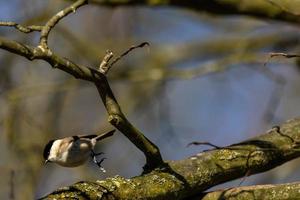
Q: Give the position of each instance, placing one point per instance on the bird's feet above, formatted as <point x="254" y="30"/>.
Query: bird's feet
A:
<point x="98" y="163"/>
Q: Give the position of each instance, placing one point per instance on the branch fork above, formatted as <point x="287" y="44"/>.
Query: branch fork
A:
<point x="98" y="77"/>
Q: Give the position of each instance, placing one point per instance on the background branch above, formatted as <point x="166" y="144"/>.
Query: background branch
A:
<point x="257" y="8"/>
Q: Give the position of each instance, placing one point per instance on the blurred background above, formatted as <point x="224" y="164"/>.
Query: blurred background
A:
<point x="202" y="79"/>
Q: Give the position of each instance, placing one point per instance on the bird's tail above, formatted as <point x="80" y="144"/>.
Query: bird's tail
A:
<point x="105" y="135"/>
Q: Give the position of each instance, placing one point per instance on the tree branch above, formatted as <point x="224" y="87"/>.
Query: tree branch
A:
<point x="24" y="29"/>
<point x="116" y="117"/>
<point x="56" y="18"/>
<point x="277" y="54"/>
<point x="191" y="176"/>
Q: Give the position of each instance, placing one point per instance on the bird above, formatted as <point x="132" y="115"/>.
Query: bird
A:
<point x="73" y="151"/>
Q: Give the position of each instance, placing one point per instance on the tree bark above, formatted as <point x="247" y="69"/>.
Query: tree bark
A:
<point x="266" y="192"/>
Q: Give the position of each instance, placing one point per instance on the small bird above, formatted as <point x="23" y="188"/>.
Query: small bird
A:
<point x="73" y="151"/>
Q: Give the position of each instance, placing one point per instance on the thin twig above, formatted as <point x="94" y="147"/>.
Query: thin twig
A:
<point x="276" y="54"/>
<point x="127" y="51"/>
<point x="234" y="148"/>
<point x="56" y="18"/>
<point x="24" y="29"/>
<point x="275" y="129"/>
<point x="104" y="65"/>
<point x="204" y="143"/>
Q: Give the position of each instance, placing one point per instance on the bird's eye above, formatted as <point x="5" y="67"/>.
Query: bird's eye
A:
<point x="47" y="149"/>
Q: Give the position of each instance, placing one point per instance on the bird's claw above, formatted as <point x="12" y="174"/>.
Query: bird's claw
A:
<point x="98" y="163"/>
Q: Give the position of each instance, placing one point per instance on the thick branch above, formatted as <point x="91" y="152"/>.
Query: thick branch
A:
<point x="17" y="48"/>
<point x="256" y="8"/>
<point x="191" y="176"/>
<point x="54" y="60"/>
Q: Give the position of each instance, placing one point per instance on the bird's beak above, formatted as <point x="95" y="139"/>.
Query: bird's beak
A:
<point x="46" y="161"/>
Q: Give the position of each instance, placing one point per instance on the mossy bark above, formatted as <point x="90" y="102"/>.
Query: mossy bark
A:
<point x="266" y="192"/>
